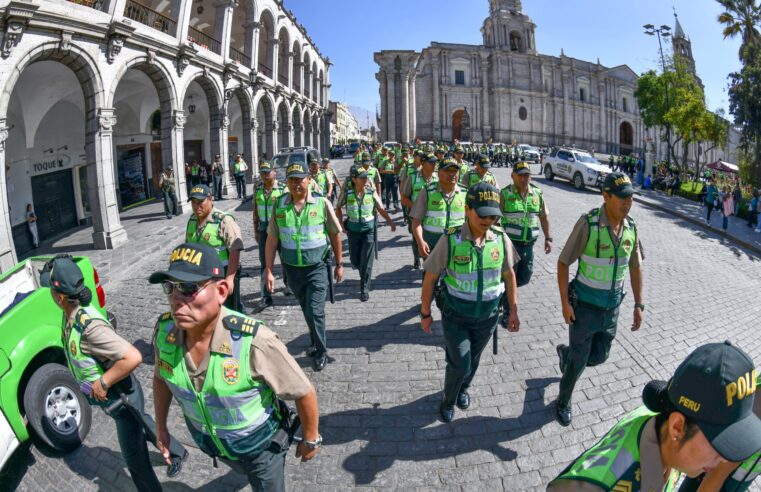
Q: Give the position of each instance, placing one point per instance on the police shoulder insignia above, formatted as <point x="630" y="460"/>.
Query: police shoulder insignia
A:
<point x="237" y="323"/>
<point x="73" y="348"/>
<point x="166" y="316"/>
<point x="230" y="371"/>
<point x="451" y="230"/>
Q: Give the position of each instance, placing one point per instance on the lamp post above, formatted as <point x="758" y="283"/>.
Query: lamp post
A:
<point x="663" y="31"/>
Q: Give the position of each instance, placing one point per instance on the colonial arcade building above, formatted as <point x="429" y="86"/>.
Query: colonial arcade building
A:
<point x="98" y="95"/>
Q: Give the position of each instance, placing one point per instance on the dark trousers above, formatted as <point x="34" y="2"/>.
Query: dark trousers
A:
<point x="240" y="185"/>
<point x="233" y="299"/>
<point x="709" y="206"/>
<point x="464" y="339"/>
<point x="525" y="267"/>
<point x="266" y="295"/>
<point x="415" y="250"/>
<point x="390" y="190"/>
<point x="590" y="338"/>
<point x="265" y="471"/>
<point x="217" y="187"/>
<point x="361" y="255"/>
<point x="170" y="203"/>
<point x="310" y="286"/>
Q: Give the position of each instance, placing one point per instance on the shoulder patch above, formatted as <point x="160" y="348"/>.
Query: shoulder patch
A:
<point x="166" y="316"/>
<point x="241" y="324"/>
<point x="452" y="230"/>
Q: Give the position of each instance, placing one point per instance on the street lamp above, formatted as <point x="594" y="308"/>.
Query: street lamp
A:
<point x="663" y="31"/>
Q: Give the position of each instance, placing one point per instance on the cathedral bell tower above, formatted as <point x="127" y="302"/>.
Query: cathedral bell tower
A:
<point x="508" y="28"/>
<point x="682" y="46"/>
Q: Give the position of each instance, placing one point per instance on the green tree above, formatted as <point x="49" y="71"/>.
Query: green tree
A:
<point x="745" y="106"/>
<point x="740" y="17"/>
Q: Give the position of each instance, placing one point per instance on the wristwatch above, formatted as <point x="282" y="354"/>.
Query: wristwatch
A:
<point x="425" y="316"/>
<point x="103" y="384"/>
<point x="548" y="239"/>
<point x="641" y="306"/>
<point x="317" y="443"/>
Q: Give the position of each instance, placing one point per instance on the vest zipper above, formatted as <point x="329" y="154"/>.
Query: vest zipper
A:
<point x="480" y="285"/>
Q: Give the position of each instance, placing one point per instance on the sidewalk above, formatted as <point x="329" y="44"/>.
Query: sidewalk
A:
<point x="737" y="231"/>
<point x="148" y="230"/>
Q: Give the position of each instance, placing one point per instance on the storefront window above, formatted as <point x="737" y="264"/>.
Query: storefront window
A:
<point x="131" y="169"/>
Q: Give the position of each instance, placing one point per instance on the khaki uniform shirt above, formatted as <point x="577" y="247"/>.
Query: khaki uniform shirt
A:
<point x="100" y="340"/>
<point x="421" y="203"/>
<point x="543" y="211"/>
<point x="332" y="225"/>
<point x="229" y="231"/>
<point x="438" y="260"/>
<point x="270" y="361"/>
<point x="577" y="241"/>
<point x="651" y="466"/>
<point x="405" y="188"/>
<point x="368" y="189"/>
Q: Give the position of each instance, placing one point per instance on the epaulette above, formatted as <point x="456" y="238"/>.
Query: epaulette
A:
<point x="497" y="229"/>
<point x="83" y="319"/>
<point x="217" y="215"/>
<point x="452" y="230"/>
<point x="241" y="324"/>
<point x="166" y="316"/>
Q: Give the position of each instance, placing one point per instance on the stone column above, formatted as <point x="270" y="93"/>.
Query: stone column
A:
<point x="391" y="106"/>
<point x="413" y="109"/>
<point x="115" y="8"/>
<point x="405" y="109"/>
<point x="275" y="58"/>
<point x="223" y="150"/>
<point x="251" y="134"/>
<point x="176" y="155"/>
<point x="381" y="77"/>
<point x="7" y="252"/>
<point x="107" y="231"/>
<point x="485" y="119"/>
<point x="251" y="43"/>
<point x="223" y="25"/>
<point x="184" y="9"/>
<point x="436" y="102"/>
<point x="290" y="69"/>
<point x="307" y="81"/>
<point x="274" y="132"/>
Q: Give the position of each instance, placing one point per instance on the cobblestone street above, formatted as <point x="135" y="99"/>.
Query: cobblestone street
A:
<point x="379" y="396"/>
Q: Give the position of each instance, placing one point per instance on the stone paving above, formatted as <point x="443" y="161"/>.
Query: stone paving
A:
<point x="379" y="396"/>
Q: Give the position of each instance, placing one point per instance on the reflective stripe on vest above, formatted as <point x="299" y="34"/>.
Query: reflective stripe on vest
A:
<point x="419" y="182"/>
<point x="209" y="235"/>
<point x="441" y="214"/>
<point x="473" y="276"/>
<point x="85" y="368"/>
<point x="603" y="266"/>
<point x="302" y="236"/>
<point x="234" y="414"/>
<point x="520" y="217"/>
<point x="321" y="182"/>
<point x="266" y="202"/>
<point x="360" y="214"/>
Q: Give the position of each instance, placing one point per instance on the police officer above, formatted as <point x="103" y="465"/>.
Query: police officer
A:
<point x="411" y="188"/>
<point x="167" y="187"/>
<point x="477" y="258"/>
<point x="388" y="170"/>
<point x="228" y="373"/>
<point x="266" y="194"/>
<point x="438" y="207"/>
<point x="697" y="421"/>
<point x="239" y="173"/>
<point x="102" y="364"/>
<point x="219" y="230"/>
<point x="373" y="176"/>
<point x="362" y="204"/>
<point x="459" y="153"/>
<point x="320" y="183"/>
<point x="302" y="226"/>
<point x="482" y="172"/>
<point x="330" y="173"/>
<point x="606" y="243"/>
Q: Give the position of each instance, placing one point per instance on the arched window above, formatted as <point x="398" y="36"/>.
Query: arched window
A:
<point x="266" y="35"/>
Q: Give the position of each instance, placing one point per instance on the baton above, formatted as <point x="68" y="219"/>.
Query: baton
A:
<point x="495" y="341"/>
<point x="375" y="234"/>
<point x="330" y="281"/>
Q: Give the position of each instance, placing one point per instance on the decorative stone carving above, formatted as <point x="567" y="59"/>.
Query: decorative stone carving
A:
<point x="65" y="43"/>
<point x="17" y="15"/>
<point x="151" y="55"/>
<point x="106" y="120"/>
<point x="225" y="122"/>
<point x="179" y="119"/>
<point x="117" y="34"/>
<point x="185" y="55"/>
<point x="3" y="134"/>
<point x="254" y="124"/>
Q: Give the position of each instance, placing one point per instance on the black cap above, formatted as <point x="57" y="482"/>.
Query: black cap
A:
<point x="296" y="170"/>
<point x="265" y="167"/>
<point x="358" y="172"/>
<point x="521" y="168"/>
<point x="618" y="184"/>
<point x="458" y="148"/>
<point x="325" y="159"/>
<point x="431" y="158"/>
<point x="715" y="386"/>
<point x="191" y="262"/>
<point x="447" y="163"/>
<point x="484" y="162"/>
<point x="366" y="157"/>
<point x="199" y="192"/>
<point x="63" y="275"/>
<point x="313" y="160"/>
<point x="484" y="199"/>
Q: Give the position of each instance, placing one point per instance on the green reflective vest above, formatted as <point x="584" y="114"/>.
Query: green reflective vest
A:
<point x="442" y="214"/>
<point x="321" y="182"/>
<point x="603" y="266"/>
<point x="473" y="277"/>
<point x="233" y="415"/>
<point x="419" y="182"/>
<point x="264" y="202"/>
<point x="473" y="178"/>
<point x="360" y="213"/>
<point x="194" y="170"/>
<point x="209" y="234"/>
<point x="85" y="368"/>
<point x="520" y="216"/>
<point x="614" y="462"/>
<point x="387" y="165"/>
<point x="372" y="174"/>
<point x="464" y="168"/>
<point x="303" y="241"/>
<point x="746" y="473"/>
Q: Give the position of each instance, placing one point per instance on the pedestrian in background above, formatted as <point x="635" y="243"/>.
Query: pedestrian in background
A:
<point x="727" y="207"/>
<point x="167" y="186"/>
<point x="239" y="172"/>
<point x="218" y="172"/>
<point x="752" y="206"/>
<point x="737" y="196"/>
<point x="712" y="199"/>
<point x="31" y="223"/>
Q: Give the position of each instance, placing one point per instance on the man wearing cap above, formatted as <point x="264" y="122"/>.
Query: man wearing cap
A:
<point x="606" y="244"/>
<point x="330" y="173"/>
<point x="239" y="172"/>
<point x="218" y="229"/>
<point x="373" y="176"/>
<point x="476" y="260"/>
<point x="228" y="373"/>
<point x="167" y="187"/>
<point x="411" y="188"/>
<point x="438" y="207"/>
<point x="217" y="173"/>
<point x="459" y="154"/>
<point x="696" y="423"/>
<point x="266" y="194"/>
<point x="320" y="183"/>
<point x="482" y="173"/>
<point x="388" y="169"/>
<point x="302" y="226"/>
<point x="102" y="364"/>
<point x="362" y="204"/>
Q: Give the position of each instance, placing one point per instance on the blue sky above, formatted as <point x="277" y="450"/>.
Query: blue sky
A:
<point x="349" y="32"/>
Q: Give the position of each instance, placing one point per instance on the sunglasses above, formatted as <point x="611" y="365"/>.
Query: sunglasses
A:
<point x="186" y="289"/>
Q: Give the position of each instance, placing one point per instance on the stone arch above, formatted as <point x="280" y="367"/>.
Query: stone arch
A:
<point x="457" y="124"/>
<point x="283" y="115"/>
<point x="314" y="81"/>
<point x="266" y="45"/>
<point x="266" y="127"/>
<point x="516" y="42"/>
<point x="283" y="60"/>
<point x="298" y="127"/>
<point x="306" y="119"/>
<point x="321" y="98"/>
<point x="214" y="98"/>
<point x="626" y="137"/>
<point x="307" y="71"/>
<point x="297" y="67"/>
<point x="316" y="130"/>
<point x="250" y="152"/>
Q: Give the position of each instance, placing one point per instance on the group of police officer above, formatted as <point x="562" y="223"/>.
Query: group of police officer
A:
<point x="230" y="374"/>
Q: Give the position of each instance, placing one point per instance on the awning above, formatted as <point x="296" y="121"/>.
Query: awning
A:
<point x="724" y="167"/>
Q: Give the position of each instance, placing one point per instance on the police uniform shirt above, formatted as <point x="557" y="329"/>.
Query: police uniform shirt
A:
<point x="229" y="231"/>
<point x="421" y="203"/>
<point x="269" y="360"/>
<point x="438" y="260"/>
<point x="651" y="467"/>
<point x="406" y="187"/>
<point x="332" y="225"/>
<point x="368" y="189"/>
<point x="543" y="211"/>
<point x="577" y="241"/>
<point x="99" y="340"/>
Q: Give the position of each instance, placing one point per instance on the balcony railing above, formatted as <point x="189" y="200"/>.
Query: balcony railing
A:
<point x="145" y="15"/>
<point x="240" y="57"/>
<point x="93" y="4"/>
<point x="204" y="40"/>
<point x="265" y="70"/>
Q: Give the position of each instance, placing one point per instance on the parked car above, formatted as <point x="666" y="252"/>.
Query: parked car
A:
<point x="531" y="154"/>
<point x="289" y="155"/>
<point x="390" y="144"/>
<point x="37" y="392"/>
<point x="577" y="166"/>
<point x="337" y="151"/>
<point x="353" y="147"/>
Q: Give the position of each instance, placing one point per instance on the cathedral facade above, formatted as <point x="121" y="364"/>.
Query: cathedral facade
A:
<point x="505" y="90"/>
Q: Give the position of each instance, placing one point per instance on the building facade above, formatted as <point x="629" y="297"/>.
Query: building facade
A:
<point x="343" y="124"/>
<point x="99" y="95"/>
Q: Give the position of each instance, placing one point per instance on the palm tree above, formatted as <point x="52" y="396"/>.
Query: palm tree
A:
<point x="741" y="17"/>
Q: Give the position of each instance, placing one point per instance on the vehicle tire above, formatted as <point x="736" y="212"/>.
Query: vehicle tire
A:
<point x="578" y="181"/>
<point x="56" y="408"/>
<point x="548" y="174"/>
